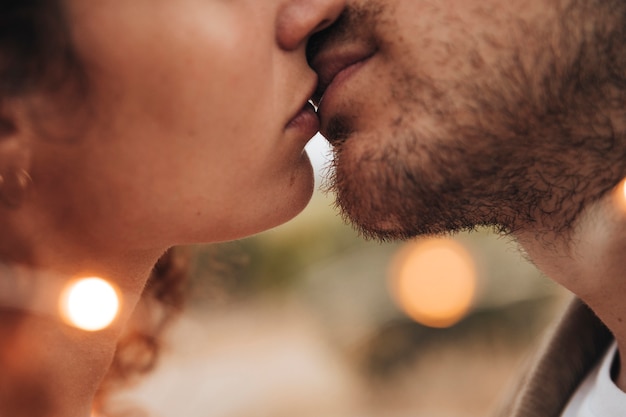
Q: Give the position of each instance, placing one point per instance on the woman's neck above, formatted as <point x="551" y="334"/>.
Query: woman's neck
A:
<point x="43" y="357"/>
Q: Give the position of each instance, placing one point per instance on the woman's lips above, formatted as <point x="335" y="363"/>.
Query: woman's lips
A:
<point x="306" y="121"/>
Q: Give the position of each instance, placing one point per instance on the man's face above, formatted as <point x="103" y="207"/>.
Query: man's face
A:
<point x="448" y="114"/>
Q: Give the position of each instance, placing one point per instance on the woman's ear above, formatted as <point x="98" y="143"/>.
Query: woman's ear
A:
<point x="15" y="156"/>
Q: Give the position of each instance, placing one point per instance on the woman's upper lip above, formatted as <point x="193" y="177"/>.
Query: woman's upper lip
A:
<point x="330" y="62"/>
<point x="306" y="97"/>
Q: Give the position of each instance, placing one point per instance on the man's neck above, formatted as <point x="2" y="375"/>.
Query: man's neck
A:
<point x="589" y="261"/>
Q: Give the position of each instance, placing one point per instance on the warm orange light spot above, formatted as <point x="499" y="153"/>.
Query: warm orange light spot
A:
<point x="619" y="195"/>
<point x="90" y="304"/>
<point x="434" y="281"/>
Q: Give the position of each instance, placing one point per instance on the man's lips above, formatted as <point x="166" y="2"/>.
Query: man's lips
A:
<point x="331" y="62"/>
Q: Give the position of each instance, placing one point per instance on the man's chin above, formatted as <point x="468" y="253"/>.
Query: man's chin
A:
<point x="383" y="230"/>
<point x="381" y="217"/>
<point x="373" y="224"/>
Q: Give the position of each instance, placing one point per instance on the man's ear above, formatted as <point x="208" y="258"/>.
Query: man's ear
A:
<point x="15" y="154"/>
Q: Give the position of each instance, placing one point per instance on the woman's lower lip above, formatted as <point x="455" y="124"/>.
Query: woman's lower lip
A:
<point x="334" y="87"/>
<point x="307" y="121"/>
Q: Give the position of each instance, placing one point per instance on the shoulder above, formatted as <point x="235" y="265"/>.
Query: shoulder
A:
<point x="569" y="351"/>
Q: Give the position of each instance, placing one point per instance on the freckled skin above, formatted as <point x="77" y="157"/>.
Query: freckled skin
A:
<point x="182" y="134"/>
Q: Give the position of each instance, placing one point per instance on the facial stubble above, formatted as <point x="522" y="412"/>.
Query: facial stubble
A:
<point x="535" y="149"/>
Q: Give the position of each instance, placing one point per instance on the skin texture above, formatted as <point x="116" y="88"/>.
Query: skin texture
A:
<point x="180" y="120"/>
<point x="501" y="114"/>
<point x="184" y="132"/>
<point x="478" y="111"/>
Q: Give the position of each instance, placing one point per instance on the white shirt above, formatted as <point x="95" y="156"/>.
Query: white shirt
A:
<point x="598" y="396"/>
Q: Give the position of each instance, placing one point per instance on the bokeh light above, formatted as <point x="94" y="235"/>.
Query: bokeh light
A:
<point x="434" y="281"/>
<point x="90" y="304"/>
<point x="618" y="196"/>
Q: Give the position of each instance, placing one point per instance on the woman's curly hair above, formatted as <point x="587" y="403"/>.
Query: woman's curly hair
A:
<point x="36" y="55"/>
<point x="139" y="347"/>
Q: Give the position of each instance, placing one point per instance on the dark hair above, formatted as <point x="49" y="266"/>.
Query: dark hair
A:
<point x="138" y="349"/>
<point x="37" y="55"/>
<point x="35" y="46"/>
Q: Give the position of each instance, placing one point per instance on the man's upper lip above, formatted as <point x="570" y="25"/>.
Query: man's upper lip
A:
<point x="330" y="62"/>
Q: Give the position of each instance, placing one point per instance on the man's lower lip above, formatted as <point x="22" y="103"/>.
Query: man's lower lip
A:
<point x="333" y="89"/>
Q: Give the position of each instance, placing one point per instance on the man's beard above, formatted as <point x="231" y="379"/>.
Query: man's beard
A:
<point x="534" y="151"/>
<point x="413" y="189"/>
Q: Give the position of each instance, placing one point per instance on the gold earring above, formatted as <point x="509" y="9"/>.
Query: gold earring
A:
<point x="13" y="187"/>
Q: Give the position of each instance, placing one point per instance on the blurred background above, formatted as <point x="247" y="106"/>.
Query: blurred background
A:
<point x="308" y="319"/>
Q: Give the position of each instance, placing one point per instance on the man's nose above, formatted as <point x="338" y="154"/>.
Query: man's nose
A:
<point x="297" y="20"/>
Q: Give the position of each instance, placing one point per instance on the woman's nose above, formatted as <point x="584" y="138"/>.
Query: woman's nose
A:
<point x="297" y="20"/>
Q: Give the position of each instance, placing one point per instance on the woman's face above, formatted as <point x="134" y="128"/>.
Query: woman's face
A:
<point x="195" y="129"/>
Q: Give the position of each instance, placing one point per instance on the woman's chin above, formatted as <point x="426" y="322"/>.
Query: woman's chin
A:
<point x="288" y="204"/>
<point x="253" y="217"/>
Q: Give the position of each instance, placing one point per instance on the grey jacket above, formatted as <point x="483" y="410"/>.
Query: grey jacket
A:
<point x="577" y="343"/>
